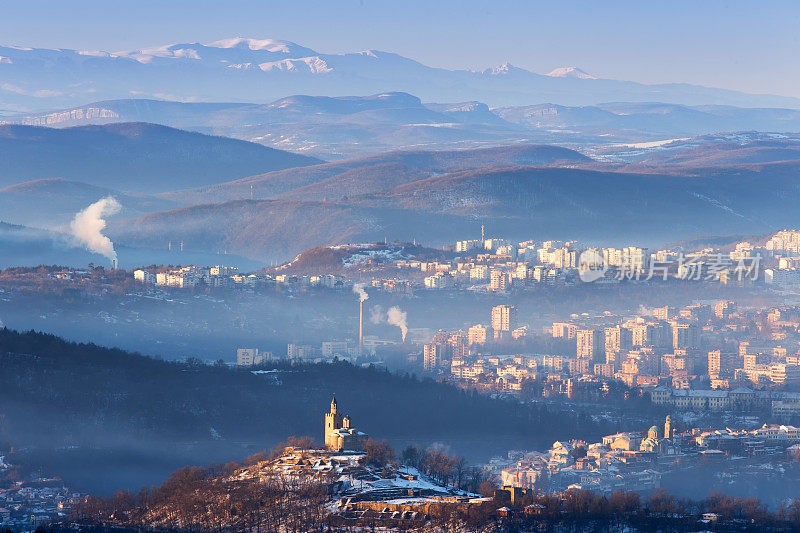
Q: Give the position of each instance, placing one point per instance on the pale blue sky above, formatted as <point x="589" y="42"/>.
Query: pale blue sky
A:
<point x="750" y="46"/>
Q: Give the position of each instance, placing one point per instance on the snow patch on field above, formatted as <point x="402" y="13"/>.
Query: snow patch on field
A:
<point x="651" y="144"/>
<point x="385" y="255"/>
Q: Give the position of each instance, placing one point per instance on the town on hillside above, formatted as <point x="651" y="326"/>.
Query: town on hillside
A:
<point x="354" y="481"/>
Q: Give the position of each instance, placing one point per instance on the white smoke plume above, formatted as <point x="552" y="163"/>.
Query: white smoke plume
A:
<point x="398" y="317"/>
<point x="358" y="288"/>
<point x="376" y="314"/>
<point x="88" y="225"/>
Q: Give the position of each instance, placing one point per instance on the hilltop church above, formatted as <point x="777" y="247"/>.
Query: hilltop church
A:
<point x="339" y="435"/>
<point x="661" y="445"/>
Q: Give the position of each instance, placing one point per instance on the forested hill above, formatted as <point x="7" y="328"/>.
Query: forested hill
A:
<point x="87" y="411"/>
<point x="138" y="157"/>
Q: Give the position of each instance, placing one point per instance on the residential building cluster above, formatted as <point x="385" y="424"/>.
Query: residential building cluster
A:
<point x="24" y="505"/>
<point x="500" y="265"/>
<point x="784" y="250"/>
<point x="781" y="404"/>
<point x="228" y="277"/>
<point x="448" y="349"/>
<point x="191" y="276"/>
<point x="636" y="461"/>
<point x="709" y="355"/>
<point x="718" y="344"/>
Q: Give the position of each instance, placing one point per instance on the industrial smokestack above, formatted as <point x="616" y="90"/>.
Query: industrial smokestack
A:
<point x="360" y="325"/>
<point x="358" y="288"/>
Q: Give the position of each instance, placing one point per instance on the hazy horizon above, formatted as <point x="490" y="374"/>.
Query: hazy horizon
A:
<point x="730" y="45"/>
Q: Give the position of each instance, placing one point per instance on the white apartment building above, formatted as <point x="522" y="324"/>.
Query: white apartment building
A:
<point x="782" y="277"/>
<point x="249" y="357"/>
<point x="144" y="276"/>
<point x="498" y="280"/>
<point x="479" y="273"/>
<point x="468" y="246"/>
<point x="439" y="281"/>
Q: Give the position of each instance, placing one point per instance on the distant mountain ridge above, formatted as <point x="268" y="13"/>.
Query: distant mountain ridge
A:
<point x="329" y="127"/>
<point x="518" y="202"/>
<point x="351" y="126"/>
<point x="219" y="195"/>
<point x="278" y="229"/>
<point x="358" y="176"/>
<point x="242" y="69"/>
<point x="745" y="148"/>
<point x="655" y="119"/>
<point x="522" y="191"/>
<point x="135" y="157"/>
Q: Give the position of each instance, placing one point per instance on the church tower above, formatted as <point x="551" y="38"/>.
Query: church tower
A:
<point x="333" y="421"/>
<point x="668" y="428"/>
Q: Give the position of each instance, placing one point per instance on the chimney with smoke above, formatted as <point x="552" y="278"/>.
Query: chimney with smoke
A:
<point x="87" y="227"/>
<point x="360" y="325"/>
<point x="398" y="317"/>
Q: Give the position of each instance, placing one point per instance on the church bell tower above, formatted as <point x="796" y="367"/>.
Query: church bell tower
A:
<point x="333" y="421"/>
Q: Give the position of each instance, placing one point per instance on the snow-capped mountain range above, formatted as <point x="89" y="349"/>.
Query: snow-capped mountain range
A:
<point x="258" y="71"/>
